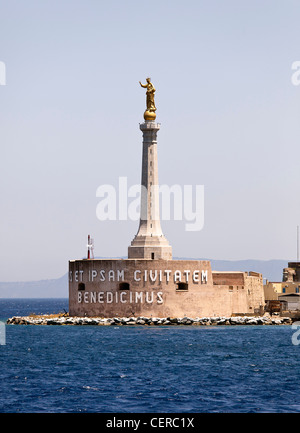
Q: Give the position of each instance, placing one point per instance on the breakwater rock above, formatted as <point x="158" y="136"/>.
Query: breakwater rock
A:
<point x="148" y="321"/>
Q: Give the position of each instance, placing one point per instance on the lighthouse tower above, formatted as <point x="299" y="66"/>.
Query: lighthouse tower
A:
<point x="149" y="242"/>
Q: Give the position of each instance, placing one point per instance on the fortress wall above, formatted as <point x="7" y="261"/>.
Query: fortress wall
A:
<point x="229" y="278"/>
<point x="246" y="288"/>
<point x="256" y="296"/>
<point x="157" y="288"/>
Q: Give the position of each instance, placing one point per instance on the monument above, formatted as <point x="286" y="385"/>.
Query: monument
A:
<point x="150" y="283"/>
<point x="149" y="242"/>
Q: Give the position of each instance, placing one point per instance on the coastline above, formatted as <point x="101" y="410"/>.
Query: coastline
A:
<point x="147" y="321"/>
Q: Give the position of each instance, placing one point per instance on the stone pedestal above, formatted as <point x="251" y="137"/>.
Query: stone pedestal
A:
<point x="149" y="242"/>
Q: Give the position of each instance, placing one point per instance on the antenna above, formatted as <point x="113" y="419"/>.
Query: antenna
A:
<point x="90" y="247"/>
<point x="297" y="243"/>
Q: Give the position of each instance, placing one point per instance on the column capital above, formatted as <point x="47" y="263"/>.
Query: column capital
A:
<point x="149" y="126"/>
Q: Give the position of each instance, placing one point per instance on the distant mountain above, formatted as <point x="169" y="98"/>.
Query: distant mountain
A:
<point x="58" y="288"/>
<point x="270" y="269"/>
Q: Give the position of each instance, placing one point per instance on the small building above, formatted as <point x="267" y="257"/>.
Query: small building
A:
<point x="286" y="291"/>
<point x="292" y="272"/>
<point x="291" y="301"/>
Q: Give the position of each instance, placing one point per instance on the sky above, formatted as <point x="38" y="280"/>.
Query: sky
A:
<point x="70" y="113"/>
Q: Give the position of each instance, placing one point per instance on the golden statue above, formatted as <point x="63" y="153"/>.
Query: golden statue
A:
<point x="150" y="111"/>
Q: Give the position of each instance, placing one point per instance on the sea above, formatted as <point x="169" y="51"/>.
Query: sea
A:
<point x="140" y="369"/>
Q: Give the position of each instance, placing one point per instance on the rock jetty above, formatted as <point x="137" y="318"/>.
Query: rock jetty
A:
<point x="148" y="321"/>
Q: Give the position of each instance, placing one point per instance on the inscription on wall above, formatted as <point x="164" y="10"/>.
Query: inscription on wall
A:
<point x="129" y="296"/>
<point x="138" y="275"/>
<point x="120" y="297"/>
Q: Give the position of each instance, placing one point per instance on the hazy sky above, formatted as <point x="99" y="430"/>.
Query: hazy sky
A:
<point x="70" y="114"/>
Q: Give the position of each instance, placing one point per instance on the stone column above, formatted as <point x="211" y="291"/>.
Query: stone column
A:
<point x="149" y="242"/>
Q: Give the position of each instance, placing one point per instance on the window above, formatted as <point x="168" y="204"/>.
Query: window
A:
<point x="124" y="286"/>
<point x="297" y="289"/>
<point x="152" y="254"/>
<point x="81" y="286"/>
<point x="283" y="289"/>
<point x="182" y="287"/>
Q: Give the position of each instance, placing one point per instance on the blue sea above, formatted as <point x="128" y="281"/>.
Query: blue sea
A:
<point x="138" y="369"/>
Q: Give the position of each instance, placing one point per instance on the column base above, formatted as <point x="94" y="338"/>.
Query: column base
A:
<point x="151" y="248"/>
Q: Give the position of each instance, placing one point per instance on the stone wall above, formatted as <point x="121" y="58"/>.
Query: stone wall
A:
<point x="147" y="321"/>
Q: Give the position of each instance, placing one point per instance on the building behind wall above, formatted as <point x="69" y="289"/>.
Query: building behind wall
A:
<point x="287" y="291"/>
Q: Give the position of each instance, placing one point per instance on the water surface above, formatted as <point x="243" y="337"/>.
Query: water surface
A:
<point x="145" y="369"/>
